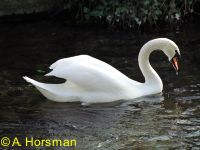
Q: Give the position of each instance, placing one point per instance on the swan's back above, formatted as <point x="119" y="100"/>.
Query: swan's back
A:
<point x="90" y="74"/>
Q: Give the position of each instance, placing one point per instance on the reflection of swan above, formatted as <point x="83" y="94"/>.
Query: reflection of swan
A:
<point x="90" y="80"/>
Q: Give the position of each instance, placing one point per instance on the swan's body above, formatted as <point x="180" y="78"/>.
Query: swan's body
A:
<point x="90" y="80"/>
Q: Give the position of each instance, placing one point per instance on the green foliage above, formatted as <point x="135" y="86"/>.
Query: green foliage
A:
<point x="129" y="13"/>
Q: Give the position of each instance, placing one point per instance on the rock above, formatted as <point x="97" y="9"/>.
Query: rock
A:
<point x="17" y="7"/>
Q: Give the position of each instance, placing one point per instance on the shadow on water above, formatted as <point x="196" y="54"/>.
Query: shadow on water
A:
<point x="162" y="121"/>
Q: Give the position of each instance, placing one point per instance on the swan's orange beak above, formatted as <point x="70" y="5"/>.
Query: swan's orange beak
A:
<point x="174" y="62"/>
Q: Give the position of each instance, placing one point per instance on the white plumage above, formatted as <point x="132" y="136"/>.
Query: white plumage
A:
<point x="90" y="80"/>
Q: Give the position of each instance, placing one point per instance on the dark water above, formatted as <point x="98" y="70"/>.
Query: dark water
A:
<point x="170" y="120"/>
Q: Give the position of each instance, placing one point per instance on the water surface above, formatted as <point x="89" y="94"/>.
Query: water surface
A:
<point x="170" y="120"/>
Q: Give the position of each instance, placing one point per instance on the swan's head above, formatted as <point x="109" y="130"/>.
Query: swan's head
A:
<point x="170" y="49"/>
<point x="173" y="53"/>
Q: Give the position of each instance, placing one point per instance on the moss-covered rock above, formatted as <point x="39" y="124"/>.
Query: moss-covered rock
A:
<point x="10" y="7"/>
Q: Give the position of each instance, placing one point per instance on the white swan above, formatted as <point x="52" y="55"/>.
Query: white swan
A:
<point x="90" y="80"/>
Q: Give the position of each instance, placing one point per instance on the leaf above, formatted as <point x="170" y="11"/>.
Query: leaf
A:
<point x="121" y="10"/>
<point x="40" y="71"/>
<point x="147" y="2"/>
<point x="177" y="16"/>
<point x="85" y="10"/>
<point x="158" y="12"/>
<point x="138" y="21"/>
<point x="96" y="13"/>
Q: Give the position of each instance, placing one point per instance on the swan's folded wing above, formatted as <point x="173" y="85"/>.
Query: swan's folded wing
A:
<point x="69" y="60"/>
<point x="89" y="73"/>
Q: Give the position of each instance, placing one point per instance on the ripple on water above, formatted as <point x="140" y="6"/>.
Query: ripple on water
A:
<point x="160" y="138"/>
<point x="188" y="98"/>
<point x="183" y="122"/>
<point x="193" y="134"/>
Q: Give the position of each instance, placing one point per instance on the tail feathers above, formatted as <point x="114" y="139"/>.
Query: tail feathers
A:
<point x="42" y="87"/>
<point x="54" y="92"/>
<point x="36" y="83"/>
<point x="28" y="79"/>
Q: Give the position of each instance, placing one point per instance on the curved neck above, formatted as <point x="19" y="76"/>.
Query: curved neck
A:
<point x="150" y="75"/>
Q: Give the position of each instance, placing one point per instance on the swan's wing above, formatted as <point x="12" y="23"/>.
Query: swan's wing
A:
<point x="90" y="73"/>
